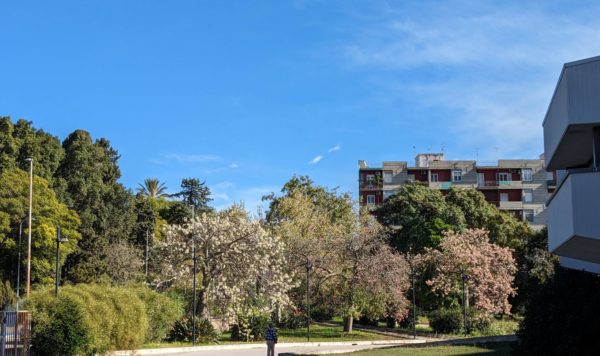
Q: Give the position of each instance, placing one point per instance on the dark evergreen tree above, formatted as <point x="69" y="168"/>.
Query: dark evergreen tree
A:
<point x="87" y="180"/>
<point x="195" y="193"/>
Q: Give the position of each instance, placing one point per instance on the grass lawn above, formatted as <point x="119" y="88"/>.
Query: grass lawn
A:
<point x="318" y="333"/>
<point x="495" y="349"/>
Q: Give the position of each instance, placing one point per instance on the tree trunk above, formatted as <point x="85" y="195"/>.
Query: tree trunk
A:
<point x="348" y="324"/>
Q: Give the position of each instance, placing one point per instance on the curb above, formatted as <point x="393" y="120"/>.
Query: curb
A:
<point x="175" y="350"/>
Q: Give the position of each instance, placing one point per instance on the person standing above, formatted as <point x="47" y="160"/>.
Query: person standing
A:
<point x="271" y="337"/>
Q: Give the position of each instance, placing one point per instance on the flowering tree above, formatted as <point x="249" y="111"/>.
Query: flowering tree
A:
<point x="372" y="279"/>
<point x="489" y="269"/>
<point x="236" y="258"/>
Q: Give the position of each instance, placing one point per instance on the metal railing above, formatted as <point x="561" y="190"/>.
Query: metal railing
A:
<point x="15" y="333"/>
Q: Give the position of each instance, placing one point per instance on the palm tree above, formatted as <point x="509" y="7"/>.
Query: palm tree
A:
<point x="153" y="188"/>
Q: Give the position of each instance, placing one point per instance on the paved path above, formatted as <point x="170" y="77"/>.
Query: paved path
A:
<point x="279" y="350"/>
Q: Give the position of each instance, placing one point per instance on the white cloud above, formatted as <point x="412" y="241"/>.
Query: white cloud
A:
<point x="316" y="160"/>
<point x="335" y="148"/>
<point x="233" y="166"/>
<point x="490" y="67"/>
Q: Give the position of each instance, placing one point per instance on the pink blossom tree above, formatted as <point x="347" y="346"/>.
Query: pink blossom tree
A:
<point x="489" y="270"/>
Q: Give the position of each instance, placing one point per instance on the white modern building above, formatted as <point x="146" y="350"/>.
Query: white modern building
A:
<point x="572" y="148"/>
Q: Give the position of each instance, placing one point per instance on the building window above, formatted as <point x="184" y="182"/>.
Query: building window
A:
<point x="528" y="215"/>
<point x="387" y="176"/>
<point x="480" y="179"/>
<point x="527" y="175"/>
<point x="370" y="199"/>
<point x="549" y="176"/>
<point x="457" y="175"/>
<point x="527" y="195"/>
<point x="370" y="178"/>
<point x="434" y="177"/>
<point x="503" y="196"/>
<point x="387" y="194"/>
<point x="504" y="177"/>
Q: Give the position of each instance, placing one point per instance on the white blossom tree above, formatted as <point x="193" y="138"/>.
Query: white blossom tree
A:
<point x="235" y="257"/>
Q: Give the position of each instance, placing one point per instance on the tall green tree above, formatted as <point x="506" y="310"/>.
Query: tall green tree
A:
<point x="153" y="188"/>
<point x="48" y="213"/>
<point x="87" y="180"/>
<point x="418" y="216"/>
<point x="195" y="193"/>
<point x="21" y="140"/>
<point x="337" y="207"/>
<point x="503" y="228"/>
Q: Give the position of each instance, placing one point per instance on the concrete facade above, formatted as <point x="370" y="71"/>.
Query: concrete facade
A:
<point x="572" y="147"/>
<point x="520" y="187"/>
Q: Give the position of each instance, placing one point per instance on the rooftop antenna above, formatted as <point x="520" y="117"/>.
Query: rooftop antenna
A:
<point x="414" y="150"/>
<point x="443" y="146"/>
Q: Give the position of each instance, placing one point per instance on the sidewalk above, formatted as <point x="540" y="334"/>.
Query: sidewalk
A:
<point x="311" y="347"/>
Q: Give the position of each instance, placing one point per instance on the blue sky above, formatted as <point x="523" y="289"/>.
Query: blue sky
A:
<point x="245" y="94"/>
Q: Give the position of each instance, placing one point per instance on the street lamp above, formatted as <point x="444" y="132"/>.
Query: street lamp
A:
<point x="414" y="300"/>
<point x="30" y="160"/>
<point x="194" y="258"/>
<point x="308" y="267"/>
<point x="19" y="260"/>
<point x="59" y="239"/>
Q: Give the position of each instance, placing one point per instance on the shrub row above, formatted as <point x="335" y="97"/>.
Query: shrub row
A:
<point x="92" y="319"/>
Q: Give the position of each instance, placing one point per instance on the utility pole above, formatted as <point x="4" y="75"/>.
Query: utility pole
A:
<point x="194" y="284"/>
<point x="59" y="239"/>
<point x="146" y="263"/>
<point x="308" y="267"/>
<point x="30" y="160"/>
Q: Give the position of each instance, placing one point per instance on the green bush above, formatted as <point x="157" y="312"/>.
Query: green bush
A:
<point x="115" y="318"/>
<point x="250" y="327"/>
<point x="162" y="312"/>
<point x="7" y="296"/>
<point x="182" y="330"/>
<point x="62" y="331"/>
<point x="446" y="321"/>
<point x="293" y="320"/>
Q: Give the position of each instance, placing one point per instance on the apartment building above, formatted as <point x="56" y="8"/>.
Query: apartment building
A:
<point x="520" y="187"/>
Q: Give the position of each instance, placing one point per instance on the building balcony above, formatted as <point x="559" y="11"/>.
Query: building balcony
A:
<point x="572" y="115"/>
<point x="573" y="223"/>
<point x="510" y="205"/>
<point x="500" y="184"/>
<point x="370" y="186"/>
<point x="440" y="185"/>
<point x="551" y="183"/>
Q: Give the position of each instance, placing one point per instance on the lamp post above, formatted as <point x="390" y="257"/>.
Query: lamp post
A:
<point x="19" y="261"/>
<point x="30" y="160"/>
<point x="414" y="300"/>
<point x="194" y="285"/>
<point x="146" y="257"/>
<point x="308" y="267"/>
<point x="59" y="239"/>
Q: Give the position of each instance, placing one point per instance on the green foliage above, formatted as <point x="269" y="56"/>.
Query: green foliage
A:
<point x="503" y="229"/>
<point x="195" y="193"/>
<point x="337" y="207"/>
<point x="561" y="316"/>
<point x="48" y="213"/>
<point x="114" y="318"/>
<point x="61" y="328"/>
<point x="182" y="330"/>
<point x="250" y="326"/>
<point x="419" y="216"/>
<point x="87" y="180"/>
<point x="7" y="295"/>
<point x="293" y="319"/>
<point x="21" y="141"/>
<point x="162" y="312"/>
<point x="446" y="321"/>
